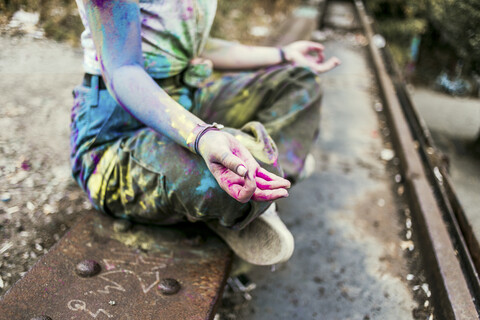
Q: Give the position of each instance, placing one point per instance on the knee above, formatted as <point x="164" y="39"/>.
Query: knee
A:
<point x="300" y="79"/>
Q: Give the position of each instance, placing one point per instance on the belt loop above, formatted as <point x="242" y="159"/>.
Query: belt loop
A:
<point x="95" y="90"/>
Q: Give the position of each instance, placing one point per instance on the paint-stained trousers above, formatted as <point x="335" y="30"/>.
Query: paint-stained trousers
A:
<point x="130" y="171"/>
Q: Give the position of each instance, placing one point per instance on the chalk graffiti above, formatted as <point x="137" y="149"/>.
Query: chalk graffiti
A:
<point x="79" y="305"/>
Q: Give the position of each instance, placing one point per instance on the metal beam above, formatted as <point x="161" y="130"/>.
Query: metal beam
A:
<point x="106" y="269"/>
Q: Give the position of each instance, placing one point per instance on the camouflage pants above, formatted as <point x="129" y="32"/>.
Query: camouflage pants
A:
<point x="131" y="171"/>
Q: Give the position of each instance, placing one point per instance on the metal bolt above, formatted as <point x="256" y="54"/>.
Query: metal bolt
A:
<point x="169" y="286"/>
<point x="121" y="225"/>
<point x="42" y="317"/>
<point x="88" y="268"/>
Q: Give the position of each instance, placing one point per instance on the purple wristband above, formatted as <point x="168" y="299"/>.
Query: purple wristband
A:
<point x="214" y="126"/>
<point x="282" y="56"/>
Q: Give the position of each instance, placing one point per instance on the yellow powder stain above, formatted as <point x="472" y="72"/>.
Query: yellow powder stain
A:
<point x="97" y="184"/>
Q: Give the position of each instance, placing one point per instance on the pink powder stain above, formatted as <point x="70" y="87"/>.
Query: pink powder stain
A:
<point x="262" y="175"/>
<point x="262" y="186"/>
<point x="25" y="165"/>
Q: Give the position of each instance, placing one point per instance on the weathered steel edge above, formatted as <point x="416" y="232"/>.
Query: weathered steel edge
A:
<point x="462" y="233"/>
<point x="455" y="300"/>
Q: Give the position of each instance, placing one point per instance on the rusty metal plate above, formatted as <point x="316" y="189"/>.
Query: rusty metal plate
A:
<point x="145" y="273"/>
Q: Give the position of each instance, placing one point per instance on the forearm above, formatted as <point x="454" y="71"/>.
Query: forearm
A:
<point x="136" y="91"/>
<point x="230" y="55"/>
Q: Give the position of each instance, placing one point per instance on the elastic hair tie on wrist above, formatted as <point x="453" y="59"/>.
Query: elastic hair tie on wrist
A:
<point x="282" y="56"/>
<point x="214" y="126"/>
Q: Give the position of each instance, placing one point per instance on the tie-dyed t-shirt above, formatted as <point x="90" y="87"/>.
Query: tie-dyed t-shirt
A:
<point x="173" y="32"/>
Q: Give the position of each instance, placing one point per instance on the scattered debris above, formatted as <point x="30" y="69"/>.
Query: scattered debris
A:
<point x="5" y="197"/>
<point x="378" y="106"/>
<point x="457" y="86"/>
<point x="408" y="223"/>
<point x="410" y="277"/>
<point x="6" y="247"/>
<point x="426" y="289"/>
<point x="48" y="209"/>
<point x="13" y="210"/>
<point x="408" y="234"/>
<point x="438" y="174"/>
<point x="381" y="202"/>
<point x="407" y="245"/>
<point x="379" y="41"/>
<point x="242" y="284"/>
<point x="30" y="206"/>
<point x="25" y="165"/>
<point x="387" y="154"/>
<point x="26" y="23"/>
<point x="259" y="31"/>
<point x="112" y="303"/>
<point x="319" y="35"/>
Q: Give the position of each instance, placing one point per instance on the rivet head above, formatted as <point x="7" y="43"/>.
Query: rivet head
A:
<point x="42" y="317"/>
<point x="169" y="286"/>
<point x="88" y="268"/>
<point x="121" y="225"/>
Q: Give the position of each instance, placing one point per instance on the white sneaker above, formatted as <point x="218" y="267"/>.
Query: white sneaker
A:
<point x="308" y="167"/>
<point x="265" y="241"/>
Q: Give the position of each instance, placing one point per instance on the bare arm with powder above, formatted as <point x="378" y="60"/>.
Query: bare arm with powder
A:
<point x="115" y="26"/>
<point x="231" y="55"/>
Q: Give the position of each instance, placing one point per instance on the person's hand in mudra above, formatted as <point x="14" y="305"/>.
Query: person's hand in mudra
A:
<point x="237" y="172"/>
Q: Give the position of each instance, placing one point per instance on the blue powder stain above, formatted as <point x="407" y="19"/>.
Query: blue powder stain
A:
<point x="208" y="181"/>
<point x="296" y="107"/>
<point x="185" y="101"/>
<point x="157" y="65"/>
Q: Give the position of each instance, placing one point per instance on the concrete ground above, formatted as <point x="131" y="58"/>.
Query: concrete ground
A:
<point x="454" y="124"/>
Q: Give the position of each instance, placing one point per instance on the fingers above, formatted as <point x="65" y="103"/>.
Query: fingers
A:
<point x="243" y="193"/>
<point x="268" y="181"/>
<point x="327" y="65"/>
<point x="239" y="188"/>
<point x="315" y="46"/>
<point x="234" y="163"/>
<point x="269" y="195"/>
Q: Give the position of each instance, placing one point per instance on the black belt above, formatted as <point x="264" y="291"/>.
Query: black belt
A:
<point x="176" y="80"/>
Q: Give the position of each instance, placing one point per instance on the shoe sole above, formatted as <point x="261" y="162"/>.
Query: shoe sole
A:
<point x="265" y="241"/>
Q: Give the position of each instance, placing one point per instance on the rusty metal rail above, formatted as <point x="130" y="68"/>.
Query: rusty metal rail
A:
<point x="436" y="163"/>
<point x="455" y="299"/>
<point x="108" y="269"/>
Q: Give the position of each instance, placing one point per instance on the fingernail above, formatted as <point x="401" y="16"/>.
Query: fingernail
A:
<point x="241" y="170"/>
